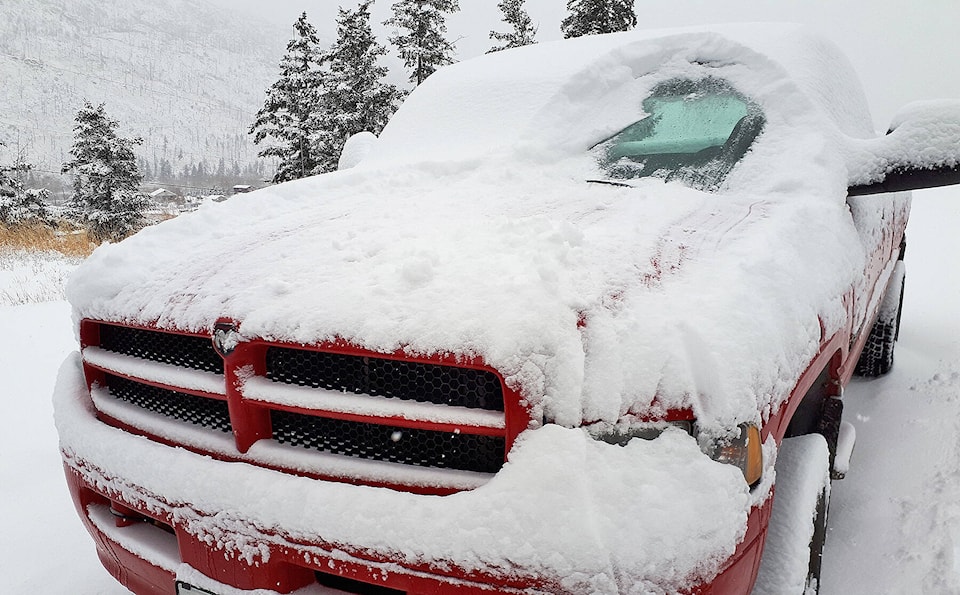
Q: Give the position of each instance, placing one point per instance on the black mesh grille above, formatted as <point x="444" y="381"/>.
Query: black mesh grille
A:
<point x="201" y="411"/>
<point x="425" y="448"/>
<point x="186" y="351"/>
<point x="412" y="381"/>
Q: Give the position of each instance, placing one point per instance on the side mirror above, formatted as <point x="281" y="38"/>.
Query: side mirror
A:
<point x="921" y="150"/>
<point x="355" y="149"/>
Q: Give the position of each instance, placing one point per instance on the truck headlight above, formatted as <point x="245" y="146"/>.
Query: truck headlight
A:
<point x="744" y="451"/>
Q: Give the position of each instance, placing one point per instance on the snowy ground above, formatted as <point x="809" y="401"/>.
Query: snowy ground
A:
<point x="894" y="522"/>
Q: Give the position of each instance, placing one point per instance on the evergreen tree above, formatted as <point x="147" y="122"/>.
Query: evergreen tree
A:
<point x="355" y="97"/>
<point x="422" y="45"/>
<point x="523" y="30"/>
<point x="19" y="205"/>
<point x="106" y="198"/>
<point x="590" y="17"/>
<point x="288" y="115"/>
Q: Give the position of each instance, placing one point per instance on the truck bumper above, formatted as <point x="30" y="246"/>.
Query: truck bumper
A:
<point x="150" y="537"/>
<point x="148" y="555"/>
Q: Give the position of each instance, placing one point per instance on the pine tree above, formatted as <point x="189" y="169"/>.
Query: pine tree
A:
<point x="355" y="97"/>
<point x="106" y="198"/>
<point x="590" y="17"/>
<point x="288" y="115"/>
<point x="523" y="30"/>
<point x="422" y="46"/>
<point x="19" y="205"/>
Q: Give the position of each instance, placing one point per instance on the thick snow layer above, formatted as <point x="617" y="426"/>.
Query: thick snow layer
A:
<point x="563" y="507"/>
<point x="923" y="135"/>
<point x="560" y="97"/>
<point x="803" y="474"/>
<point x="355" y="149"/>
<point x="470" y="229"/>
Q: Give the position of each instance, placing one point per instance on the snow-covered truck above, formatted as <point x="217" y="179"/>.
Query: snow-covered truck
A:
<point x="548" y="334"/>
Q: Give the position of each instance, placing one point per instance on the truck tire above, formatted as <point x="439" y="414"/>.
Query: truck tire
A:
<point x="876" y="359"/>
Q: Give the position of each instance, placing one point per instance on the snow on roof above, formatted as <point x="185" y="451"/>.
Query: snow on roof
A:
<point x="568" y="94"/>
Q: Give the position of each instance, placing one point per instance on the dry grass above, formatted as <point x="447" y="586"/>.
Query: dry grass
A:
<point x="64" y="239"/>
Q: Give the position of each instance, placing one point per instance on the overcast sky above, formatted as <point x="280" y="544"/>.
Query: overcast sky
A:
<point x="904" y="50"/>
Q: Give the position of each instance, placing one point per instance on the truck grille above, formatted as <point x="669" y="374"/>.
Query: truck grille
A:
<point x="426" y="448"/>
<point x="441" y="444"/>
<point x="399" y="379"/>
<point x="187" y="351"/>
<point x="199" y="411"/>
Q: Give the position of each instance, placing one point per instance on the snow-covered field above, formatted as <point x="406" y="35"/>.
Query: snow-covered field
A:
<point x="894" y="522"/>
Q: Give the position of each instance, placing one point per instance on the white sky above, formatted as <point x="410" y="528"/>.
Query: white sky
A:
<point x="904" y="50"/>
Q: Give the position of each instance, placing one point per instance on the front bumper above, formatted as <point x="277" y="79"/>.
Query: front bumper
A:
<point x="565" y="515"/>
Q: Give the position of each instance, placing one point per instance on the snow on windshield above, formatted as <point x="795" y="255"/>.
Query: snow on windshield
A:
<point x="694" y="131"/>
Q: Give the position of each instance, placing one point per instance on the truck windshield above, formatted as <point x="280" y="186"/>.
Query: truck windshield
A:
<point x="695" y="131"/>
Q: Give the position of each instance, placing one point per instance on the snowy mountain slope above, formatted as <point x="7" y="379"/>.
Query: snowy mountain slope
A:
<point x="183" y="75"/>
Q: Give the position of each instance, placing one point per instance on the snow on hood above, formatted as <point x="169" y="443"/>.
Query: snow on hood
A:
<point x="470" y="229"/>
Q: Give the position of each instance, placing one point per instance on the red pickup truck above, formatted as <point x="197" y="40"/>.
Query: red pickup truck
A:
<point x="573" y="323"/>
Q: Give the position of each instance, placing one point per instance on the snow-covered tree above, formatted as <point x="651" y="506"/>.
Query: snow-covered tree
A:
<point x="516" y="16"/>
<point x="19" y="205"/>
<point x="106" y="198"/>
<point x="288" y="118"/>
<point x="355" y="97"/>
<point x="590" y="17"/>
<point x="419" y="39"/>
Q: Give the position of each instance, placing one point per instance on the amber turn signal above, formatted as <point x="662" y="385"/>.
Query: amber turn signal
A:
<point x="745" y="451"/>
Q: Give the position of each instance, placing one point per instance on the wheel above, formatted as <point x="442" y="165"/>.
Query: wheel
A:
<point x="876" y="359"/>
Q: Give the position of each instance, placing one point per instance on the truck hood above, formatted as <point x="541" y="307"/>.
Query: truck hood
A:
<point x="594" y="300"/>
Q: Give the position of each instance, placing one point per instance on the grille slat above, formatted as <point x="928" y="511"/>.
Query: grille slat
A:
<point x="186" y="351"/>
<point x="424" y="448"/>
<point x="200" y="411"/>
<point x="409" y="381"/>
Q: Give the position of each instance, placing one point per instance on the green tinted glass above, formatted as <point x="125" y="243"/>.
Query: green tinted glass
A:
<point x="696" y="131"/>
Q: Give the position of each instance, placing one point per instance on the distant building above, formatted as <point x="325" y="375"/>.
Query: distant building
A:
<point x="243" y="188"/>
<point x="162" y="195"/>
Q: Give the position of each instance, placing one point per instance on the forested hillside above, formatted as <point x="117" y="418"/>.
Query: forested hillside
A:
<point x="187" y="77"/>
